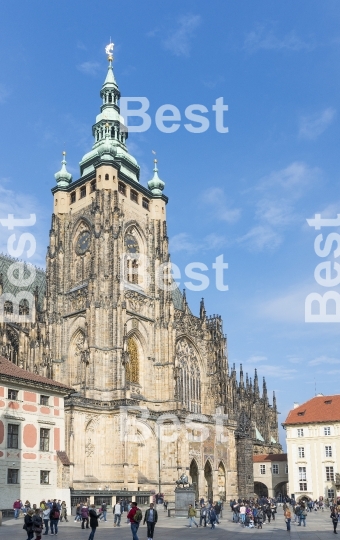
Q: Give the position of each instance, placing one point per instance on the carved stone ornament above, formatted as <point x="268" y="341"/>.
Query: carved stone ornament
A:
<point x="89" y="448"/>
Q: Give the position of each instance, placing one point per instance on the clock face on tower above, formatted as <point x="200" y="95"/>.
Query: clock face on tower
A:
<point x="83" y="242"/>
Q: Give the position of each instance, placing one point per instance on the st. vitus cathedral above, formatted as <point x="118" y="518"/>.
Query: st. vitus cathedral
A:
<point x="154" y="395"/>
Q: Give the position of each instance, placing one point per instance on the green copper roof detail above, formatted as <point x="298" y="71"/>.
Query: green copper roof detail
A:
<point x="63" y="177"/>
<point x="156" y="185"/>
<point x="110" y="78"/>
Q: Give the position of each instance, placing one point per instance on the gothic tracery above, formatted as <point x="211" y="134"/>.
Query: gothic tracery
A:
<point x="189" y="381"/>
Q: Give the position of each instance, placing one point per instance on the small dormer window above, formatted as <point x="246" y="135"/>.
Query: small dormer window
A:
<point x="73" y="197"/>
<point x="134" y="196"/>
<point x="83" y="192"/>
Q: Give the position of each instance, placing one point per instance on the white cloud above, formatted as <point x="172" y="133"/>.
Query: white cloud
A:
<point x="313" y="126"/>
<point x="184" y="242"/>
<point x="4" y="93"/>
<point x="275" y="210"/>
<point x="323" y="360"/>
<point x="260" y="238"/>
<point x="179" y="41"/>
<point x="264" y="39"/>
<point x="89" y="68"/>
<point x="256" y="359"/>
<point x="275" y="371"/>
<point x="216" y="199"/>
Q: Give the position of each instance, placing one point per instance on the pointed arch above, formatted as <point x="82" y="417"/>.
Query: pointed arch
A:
<point x="75" y="365"/>
<point x="208" y="475"/>
<point x="222" y="480"/>
<point x="189" y="380"/>
<point x="132" y="367"/>
<point x="193" y="472"/>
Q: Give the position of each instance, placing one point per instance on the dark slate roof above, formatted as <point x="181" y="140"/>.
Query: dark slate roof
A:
<point x="63" y="457"/>
<point x="177" y="298"/>
<point x="39" y="282"/>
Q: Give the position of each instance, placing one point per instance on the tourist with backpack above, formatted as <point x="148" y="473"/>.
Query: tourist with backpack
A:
<point x="135" y="516"/>
<point x="212" y="517"/>
<point x="54" y="518"/>
<point x="151" y="518"/>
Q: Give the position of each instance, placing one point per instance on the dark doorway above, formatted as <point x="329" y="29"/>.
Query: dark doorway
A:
<point x="193" y="472"/>
<point x="208" y="480"/>
<point x="260" y="489"/>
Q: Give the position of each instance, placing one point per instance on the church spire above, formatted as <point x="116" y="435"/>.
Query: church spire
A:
<point x="202" y="309"/>
<point x="241" y="377"/>
<point x="274" y="401"/>
<point x="265" y="393"/>
<point x="256" y="385"/>
<point x="156" y="185"/>
<point x="63" y="177"/>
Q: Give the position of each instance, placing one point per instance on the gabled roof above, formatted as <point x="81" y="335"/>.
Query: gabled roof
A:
<point x="8" y="370"/>
<point x="317" y="409"/>
<point x="260" y="458"/>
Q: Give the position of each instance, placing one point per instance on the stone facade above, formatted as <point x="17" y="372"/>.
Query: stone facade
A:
<point x="116" y="328"/>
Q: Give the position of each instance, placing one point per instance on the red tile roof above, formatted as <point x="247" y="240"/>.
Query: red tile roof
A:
<point x="8" y="369"/>
<point x="259" y="458"/>
<point x="317" y="409"/>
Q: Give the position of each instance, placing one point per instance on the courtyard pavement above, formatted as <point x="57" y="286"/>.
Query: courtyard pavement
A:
<point x="318" y="527"/>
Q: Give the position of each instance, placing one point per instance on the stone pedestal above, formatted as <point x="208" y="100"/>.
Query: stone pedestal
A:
<point x="184" y="497"/>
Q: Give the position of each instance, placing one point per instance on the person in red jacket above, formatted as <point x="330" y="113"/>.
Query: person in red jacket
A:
<point x="134" y="523"/>
<point x="17" y="507"/>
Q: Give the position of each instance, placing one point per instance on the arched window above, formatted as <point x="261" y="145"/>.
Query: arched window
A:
<point x="8" y="307"/>
<point x="110" y="98"/>
<point x="132" y="254"/>
<point x="188" y="382"/>
<point x="132" y="368"/>
<point x="24" y="308"/>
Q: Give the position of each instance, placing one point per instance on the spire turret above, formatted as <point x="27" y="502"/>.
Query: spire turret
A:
<point x="202" y="309"/>
<point x="63" y="177"/>
<point x="109" y="131"/>
<point x="241" y="377"/>
<point x="256" y="385"/>
<point x="156" y="185"/>
<point x="265" y="393"/>
<point x="274" y="401"/>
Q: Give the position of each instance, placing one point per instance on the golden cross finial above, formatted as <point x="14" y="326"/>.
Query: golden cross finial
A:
<point x="109" y="51"/>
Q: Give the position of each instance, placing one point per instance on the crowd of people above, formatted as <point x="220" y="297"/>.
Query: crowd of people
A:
<point x="252" y="513"/>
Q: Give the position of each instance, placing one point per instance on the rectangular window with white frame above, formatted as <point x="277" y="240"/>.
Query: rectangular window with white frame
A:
<point x="44" y="477"/>
<point x="327" y="431"/>
<point x="300" y="432"/>
<point x="330" y="474"/>
<point x="262" y="469"/>
<point x="303" y="486"/>
<point x="302" y="474"/>
<point x="301" y="450"/>
<point x="275" y="469"/>
<point x="328" y="451"/>
<point x="330" y="493"/>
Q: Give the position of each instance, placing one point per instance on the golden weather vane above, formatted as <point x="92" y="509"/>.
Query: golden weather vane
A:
<point x="109" y="50"/>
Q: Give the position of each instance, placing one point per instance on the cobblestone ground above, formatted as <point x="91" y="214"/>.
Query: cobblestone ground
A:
<point x="318" y="527"/>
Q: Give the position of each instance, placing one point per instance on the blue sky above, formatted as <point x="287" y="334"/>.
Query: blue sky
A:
<point x="246" y="194"/>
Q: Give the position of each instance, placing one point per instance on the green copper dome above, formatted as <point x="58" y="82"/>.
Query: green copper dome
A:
<point x="63" y="177"/>
<point x="156" y="185"/>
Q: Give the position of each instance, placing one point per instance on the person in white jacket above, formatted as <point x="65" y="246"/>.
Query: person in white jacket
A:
<point x="46" y="518"/>
<point x="117" y="512"/>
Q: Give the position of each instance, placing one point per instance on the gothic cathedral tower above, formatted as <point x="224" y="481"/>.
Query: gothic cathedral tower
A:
<point x="123" y="336"/>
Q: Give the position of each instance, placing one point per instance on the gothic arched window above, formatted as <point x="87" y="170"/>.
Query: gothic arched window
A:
<point x="132" y="368"/>
<point x="24" y="308"/>
<point x="188" y="382"/>
<point x="132" y="254"/>
<point x="8" y="307"/>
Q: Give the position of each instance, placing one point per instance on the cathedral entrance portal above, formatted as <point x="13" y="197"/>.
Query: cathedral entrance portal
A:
<point x="193" y="472"/>
<point x="208" y="480"/>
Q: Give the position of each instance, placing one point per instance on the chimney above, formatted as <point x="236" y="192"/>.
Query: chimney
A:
<point x="295" y="405"/>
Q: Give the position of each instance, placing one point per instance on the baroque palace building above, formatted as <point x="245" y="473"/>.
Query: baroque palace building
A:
<point x="139" y="361"/>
